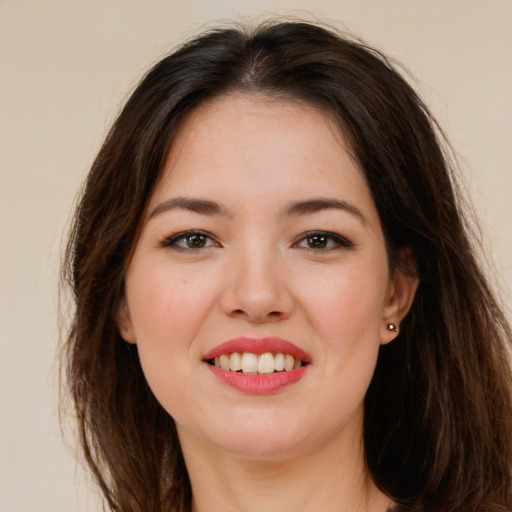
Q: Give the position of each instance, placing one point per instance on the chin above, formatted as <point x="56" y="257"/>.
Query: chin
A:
<point x="260" y="445"/>
<point x="258" y="434"/>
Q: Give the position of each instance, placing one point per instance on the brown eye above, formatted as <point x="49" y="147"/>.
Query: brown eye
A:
<point x="322" y="241"/>
<point x="190" y="240"/>
<point x="317" y="242"/>
<point x="196" y="241"/>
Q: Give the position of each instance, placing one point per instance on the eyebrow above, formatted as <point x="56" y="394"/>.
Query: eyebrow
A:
<point x="316" y="205"/>
<point x="202" y="206"/>
<point x="207" y="207"/>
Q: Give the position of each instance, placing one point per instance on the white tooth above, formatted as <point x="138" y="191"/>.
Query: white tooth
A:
<point x="298" y="364"/>
<point x="235" y="361"/>
<point x="279" y="362"/>
<point x="266" y="363"/>
<point x="249" y="363"/>
<point x="289" y="361"/>
<point x="224" y="362"/>
<point x="217" y="362"/>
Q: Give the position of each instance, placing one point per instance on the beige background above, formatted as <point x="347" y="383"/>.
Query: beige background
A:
<point x="65" y="69"/>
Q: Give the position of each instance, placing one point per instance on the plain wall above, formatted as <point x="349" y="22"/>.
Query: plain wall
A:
<point x="66" y="68"/>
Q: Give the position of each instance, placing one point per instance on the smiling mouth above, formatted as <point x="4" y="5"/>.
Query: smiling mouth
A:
<point x="257" y="364"/>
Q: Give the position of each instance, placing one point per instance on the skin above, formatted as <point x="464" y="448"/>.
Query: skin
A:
<point x="258" y="275"/>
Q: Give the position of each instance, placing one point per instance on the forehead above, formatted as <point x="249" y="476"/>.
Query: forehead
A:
<point x="260" y="146"/>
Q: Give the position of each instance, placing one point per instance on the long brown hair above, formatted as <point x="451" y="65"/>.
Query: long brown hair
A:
<point x="438" y="412"/>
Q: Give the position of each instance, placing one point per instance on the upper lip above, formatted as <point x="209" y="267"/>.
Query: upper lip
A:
<point x="258" y="346"/>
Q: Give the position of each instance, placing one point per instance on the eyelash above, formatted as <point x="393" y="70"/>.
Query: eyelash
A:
<point x="323" y="237"/>
<point x="173" y="241"/>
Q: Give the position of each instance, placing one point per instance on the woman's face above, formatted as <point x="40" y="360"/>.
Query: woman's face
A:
<point x="261" y="238"/>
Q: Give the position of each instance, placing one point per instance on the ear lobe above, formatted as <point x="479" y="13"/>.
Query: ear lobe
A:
<point x="124" y="323"/>
<point x="401" y="292"/>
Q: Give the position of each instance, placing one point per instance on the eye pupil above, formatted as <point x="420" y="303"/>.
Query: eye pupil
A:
<point x="196" y="241"/>
<point x="317" y="242"/>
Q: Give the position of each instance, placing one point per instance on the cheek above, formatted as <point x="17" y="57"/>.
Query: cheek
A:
<point x="347" y="305"/>
<point x="167" y="305"/>
<point x="347" y="320"/>
<point x="347" y="315"/>
<point x="167" y="302"/>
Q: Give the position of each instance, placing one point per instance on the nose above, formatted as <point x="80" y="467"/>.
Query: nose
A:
<point x="256" y="288"/>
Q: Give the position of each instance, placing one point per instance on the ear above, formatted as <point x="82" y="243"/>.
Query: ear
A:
<point x="400" y="295"/>
<point x="124" y="322"/>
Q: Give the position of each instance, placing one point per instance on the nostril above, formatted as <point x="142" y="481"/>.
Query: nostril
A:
<point x="270" y="314"/>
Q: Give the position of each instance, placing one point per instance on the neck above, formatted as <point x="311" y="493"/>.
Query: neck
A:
<point x="331" y="478"/>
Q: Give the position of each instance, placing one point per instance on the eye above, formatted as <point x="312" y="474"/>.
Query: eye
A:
<point x="321" y="241"/>
<point x="190" y="240"/>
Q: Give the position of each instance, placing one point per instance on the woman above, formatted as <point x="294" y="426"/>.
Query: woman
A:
<point x="277" y="302"/>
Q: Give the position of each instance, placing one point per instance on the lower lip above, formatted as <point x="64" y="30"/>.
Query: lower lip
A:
<point x="261" y="384"/>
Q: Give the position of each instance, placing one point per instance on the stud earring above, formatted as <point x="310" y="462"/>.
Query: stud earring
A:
<point x="394" y="328"/>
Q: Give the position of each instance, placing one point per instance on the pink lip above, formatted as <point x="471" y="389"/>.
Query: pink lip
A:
<point x="263" y="384"/>
<point x="258" y="346"/>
